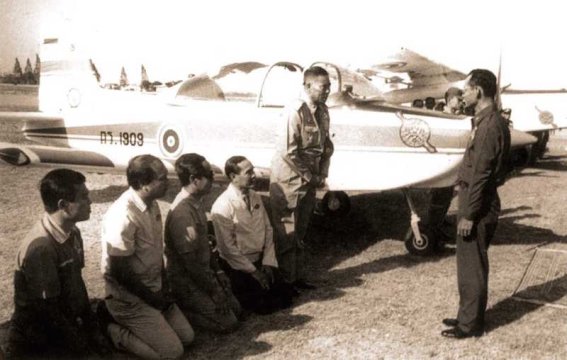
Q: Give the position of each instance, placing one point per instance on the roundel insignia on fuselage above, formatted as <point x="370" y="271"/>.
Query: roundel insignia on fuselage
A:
<point x="170" y="141"/>
<point x="545" y="117"/>
<point x="415" y="133"/>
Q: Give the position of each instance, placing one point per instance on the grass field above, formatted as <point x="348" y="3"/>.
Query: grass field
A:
<point x="374" y="301"/>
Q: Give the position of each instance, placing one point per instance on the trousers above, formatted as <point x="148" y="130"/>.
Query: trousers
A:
<point x="472" y="263"/>
<point x="147" y="332"/>
<point x="291" y="214"/>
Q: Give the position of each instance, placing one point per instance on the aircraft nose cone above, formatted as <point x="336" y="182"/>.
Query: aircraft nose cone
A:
<point x="520" y="139"/>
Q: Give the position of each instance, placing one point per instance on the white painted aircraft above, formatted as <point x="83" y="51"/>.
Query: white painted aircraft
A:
<point x="535" y="111"/>
<point x="378" y="146"/>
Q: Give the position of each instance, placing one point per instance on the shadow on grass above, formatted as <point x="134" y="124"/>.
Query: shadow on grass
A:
<point x="527" y="173"/>
<point x="554" y="163"/>
<point x="243" y="342"/>
<point x="510" y="309"/>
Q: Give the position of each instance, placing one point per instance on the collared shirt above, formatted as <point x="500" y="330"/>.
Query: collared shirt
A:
<point x="243" y="236"/>
<point x="484" y="162"/>
<point x="48" y="265"/>
<point x="185" y="231"/>
<point x="304" y="147"/>
<point x="133" y="229"/>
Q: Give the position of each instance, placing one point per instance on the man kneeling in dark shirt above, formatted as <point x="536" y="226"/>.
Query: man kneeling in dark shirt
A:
<point x="52" y="311"/>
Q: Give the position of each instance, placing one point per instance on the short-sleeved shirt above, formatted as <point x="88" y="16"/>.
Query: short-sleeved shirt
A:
<point x="244" y="234"/>
<point x="185" y="231"/>
<point x="48" y="266"/>
<point x="133" y="229"/>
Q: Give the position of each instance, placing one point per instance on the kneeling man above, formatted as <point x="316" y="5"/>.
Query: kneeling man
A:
<point x="203" y="294"/>
<point x="52" y="308"/>
<point x="149" y="325"/>
<point x="245" y="242"/>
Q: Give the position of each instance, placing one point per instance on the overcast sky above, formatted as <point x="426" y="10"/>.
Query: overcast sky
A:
<point x="174" y="38"/>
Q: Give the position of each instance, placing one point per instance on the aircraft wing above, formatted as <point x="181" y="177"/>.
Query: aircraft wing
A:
<point x="421" y="70"/>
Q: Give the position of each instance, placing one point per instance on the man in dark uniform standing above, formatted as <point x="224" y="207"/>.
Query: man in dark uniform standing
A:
<point x="482" y="171"/>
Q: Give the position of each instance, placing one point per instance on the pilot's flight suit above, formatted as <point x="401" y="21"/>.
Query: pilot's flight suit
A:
<point x="482" y="171"/>
<point x="303" y="151"/>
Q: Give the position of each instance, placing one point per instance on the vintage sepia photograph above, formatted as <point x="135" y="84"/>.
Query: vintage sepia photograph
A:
<point x="283" y="180"/>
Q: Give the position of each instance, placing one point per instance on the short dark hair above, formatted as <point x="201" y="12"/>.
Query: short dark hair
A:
<point x="231" y="165"/>
<point x="59" y="184"/>
<point x="189" y="165"/>
<point x="486" y="80"/>
<point x="418" y="103"/>
<point x="313" y="72"/>
<point x="430" y="102"/>
<point x="140" y="171"/>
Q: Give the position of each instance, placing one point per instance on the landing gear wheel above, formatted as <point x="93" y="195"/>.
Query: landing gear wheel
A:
<point x="335" y="204"/>
<point x="426" y="246"/>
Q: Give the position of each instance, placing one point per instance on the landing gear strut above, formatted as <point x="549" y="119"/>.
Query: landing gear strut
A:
<point x="426" y="237"/>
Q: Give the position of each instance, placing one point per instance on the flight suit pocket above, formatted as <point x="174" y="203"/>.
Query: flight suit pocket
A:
<point x="311" y="136"/>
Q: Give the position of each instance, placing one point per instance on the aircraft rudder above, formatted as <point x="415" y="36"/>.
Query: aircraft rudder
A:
<point x="66" y="76"/>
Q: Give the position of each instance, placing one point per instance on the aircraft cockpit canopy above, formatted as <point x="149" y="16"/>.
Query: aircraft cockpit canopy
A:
<point x="272" y="86"/>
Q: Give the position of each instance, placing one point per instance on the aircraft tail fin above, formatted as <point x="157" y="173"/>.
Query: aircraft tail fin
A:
<point x="499" y="83"/>
<point x="66" y="79"/>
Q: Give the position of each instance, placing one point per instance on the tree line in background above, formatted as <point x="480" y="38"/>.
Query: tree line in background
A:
<point x="29" y="75"/>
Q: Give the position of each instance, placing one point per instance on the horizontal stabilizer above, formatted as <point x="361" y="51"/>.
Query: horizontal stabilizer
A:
<point x="21" y="155"/>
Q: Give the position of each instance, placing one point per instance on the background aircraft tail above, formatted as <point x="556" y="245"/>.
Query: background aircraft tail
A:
<point x="67" y="79"/>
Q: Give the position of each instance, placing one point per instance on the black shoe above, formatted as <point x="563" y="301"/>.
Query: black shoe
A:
<point x="456" y="333"/>
<point x="450" y="322"/>
<point x="302" y="284"/>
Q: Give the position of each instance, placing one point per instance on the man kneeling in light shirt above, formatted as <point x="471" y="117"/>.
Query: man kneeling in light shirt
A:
<point x="245" y="242"/>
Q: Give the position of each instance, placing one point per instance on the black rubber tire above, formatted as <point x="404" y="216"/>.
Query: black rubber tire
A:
<point x="427" y="247"/>
<point x="335" y="204"/>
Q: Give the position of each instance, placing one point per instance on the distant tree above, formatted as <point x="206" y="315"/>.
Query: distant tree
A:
<point x="28" y="77"/>
<point x="17" y="72"/>
<point x="123" y="78"/>
<point x="144" y="75"/>
<point x="95" y="70"/>
<point x="37" y="69"/>
<point x="145" y="84"/>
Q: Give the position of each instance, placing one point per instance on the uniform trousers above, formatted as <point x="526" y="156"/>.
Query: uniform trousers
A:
<point x="147" y="332"/>
<point x="292" y="209"/>
<point x="202" y="312"/>
<point x="472" y="262"/>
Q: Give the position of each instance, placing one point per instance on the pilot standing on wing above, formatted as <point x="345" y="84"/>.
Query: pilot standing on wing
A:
<point x="481" y="172"/>
<point x="300" y="166"/>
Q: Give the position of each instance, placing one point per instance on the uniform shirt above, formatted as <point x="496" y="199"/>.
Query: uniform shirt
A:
<point x="484" y="162"/>
<point x="244" y="234"/>
<point x="131" y="228"/>
<point x="304" y="149"/>
<point x="185" y="232"/>
<point x="48" y="266"/>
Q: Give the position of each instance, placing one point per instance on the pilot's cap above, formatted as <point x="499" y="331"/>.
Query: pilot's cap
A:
<point x="452" y="92"/>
